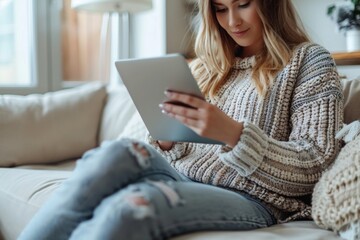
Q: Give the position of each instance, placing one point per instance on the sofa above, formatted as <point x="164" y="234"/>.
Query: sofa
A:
<point x="43" y="135"/>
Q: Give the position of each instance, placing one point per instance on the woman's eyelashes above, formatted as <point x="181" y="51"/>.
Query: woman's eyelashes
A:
<point x="222" y="9"/>
<point x="244" y="5"/>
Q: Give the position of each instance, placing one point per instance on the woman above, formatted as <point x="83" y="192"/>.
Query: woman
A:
<point x="273" y="98"/>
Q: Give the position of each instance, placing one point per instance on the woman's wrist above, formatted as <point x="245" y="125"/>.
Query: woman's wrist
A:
<point x="235" y="133"/>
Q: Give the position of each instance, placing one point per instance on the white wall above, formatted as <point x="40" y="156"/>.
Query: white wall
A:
<point x="164" y="29"/>
<point x="147" y="32"/>
<point x="161" y="30"/>
<point x="322" y="30"/>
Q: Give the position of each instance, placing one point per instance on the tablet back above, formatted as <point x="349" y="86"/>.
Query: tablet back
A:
<point x="146" y="80"/>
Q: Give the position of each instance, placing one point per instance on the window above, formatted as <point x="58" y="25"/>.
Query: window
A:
<point x="46" y="44"/>
<point x="15" y="43"/>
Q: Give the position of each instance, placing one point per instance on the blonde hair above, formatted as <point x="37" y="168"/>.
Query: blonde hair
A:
<point x="215" y="49"/>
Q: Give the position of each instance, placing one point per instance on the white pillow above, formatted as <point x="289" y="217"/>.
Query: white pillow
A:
<point x="135" y="128"/>
<point x="118" y="110"/>
<point x="51" y="127"/>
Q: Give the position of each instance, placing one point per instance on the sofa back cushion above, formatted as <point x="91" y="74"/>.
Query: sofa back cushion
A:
<point x="51" y="127"/>
<point x="118" y="110"/>
<point x="351" y="89"/>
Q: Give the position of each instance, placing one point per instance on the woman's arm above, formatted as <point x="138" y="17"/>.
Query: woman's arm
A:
<point x="292" y="167"/>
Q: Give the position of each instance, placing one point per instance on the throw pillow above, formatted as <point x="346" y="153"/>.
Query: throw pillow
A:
<point x="135" y="128"/>
<point x="336" y="197"/>
<point x="118" y="110"/>
<point x="50" y="127"/>
<point x="351" y="89"/>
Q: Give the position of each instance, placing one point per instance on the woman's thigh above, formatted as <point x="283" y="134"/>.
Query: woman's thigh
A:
<point x="159" y="210"/>
<point x="100" y="173"/>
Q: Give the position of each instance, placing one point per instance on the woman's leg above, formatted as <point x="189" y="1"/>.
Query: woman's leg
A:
<point x="100" y="173"/>
<point x="161" y="209"/>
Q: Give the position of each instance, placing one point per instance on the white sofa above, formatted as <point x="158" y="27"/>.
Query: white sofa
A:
<point x="41" y="136"/>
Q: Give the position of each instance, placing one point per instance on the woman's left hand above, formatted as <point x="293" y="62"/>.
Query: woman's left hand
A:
<point x="203" y="118"/>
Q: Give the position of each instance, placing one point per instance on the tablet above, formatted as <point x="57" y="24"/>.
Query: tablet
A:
<point x="146" y="80"/>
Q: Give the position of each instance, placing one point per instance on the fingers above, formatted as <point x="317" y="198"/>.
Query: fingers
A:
<point x="174" y="110"/>
<point x="189" y="110"/>
<point x="191" y="122"/>
<point x="192" y="101"/>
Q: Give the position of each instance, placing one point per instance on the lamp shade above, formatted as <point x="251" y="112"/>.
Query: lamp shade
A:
<point x="131" y="6"/>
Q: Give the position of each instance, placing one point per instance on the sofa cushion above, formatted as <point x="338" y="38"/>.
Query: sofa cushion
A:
<point x="51" y="127"/>
<point x="351" y="89"/>
<point x="298" y="230"/>
<point x="118" y="110"/>
<point x="22" y="192"/>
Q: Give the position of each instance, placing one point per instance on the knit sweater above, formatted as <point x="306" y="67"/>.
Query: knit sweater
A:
<point x="288" y="138"/>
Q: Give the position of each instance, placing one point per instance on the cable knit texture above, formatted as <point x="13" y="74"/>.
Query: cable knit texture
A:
<point x="288" y="137"/>
<point x="336" y="197"/>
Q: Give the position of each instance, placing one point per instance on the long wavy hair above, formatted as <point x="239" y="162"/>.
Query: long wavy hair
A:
<point x="216" y="51"/>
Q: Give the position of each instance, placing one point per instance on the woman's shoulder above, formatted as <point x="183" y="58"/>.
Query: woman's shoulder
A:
<point x="312" y="54"/>
<point x="310" y="49"/>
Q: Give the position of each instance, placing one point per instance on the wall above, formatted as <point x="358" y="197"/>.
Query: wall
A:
<point x="164" y="29"/>
<point x="322" y="30"/>
<point x="161" y="30"/>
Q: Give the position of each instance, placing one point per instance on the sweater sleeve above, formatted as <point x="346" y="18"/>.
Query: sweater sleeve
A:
<point x="178" y="150"/>
<point x="293" y="167"/>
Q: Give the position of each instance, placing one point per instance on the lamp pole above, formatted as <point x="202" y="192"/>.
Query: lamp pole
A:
<point x="120" y="41"/>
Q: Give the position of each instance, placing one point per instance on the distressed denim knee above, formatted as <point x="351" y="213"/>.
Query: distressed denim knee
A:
<point x="114" y="157"/>
<point x="132" y="212"/>
<point x="118" y="163"/>
<point x="118" y="215"/>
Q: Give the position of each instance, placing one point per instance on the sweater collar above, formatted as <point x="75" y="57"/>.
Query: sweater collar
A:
<point x="244" y="63"/>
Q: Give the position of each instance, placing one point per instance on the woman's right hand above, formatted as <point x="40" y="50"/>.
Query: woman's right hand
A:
<point x="165" y="145"/>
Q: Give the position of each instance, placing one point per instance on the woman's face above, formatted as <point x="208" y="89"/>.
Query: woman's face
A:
<point x="240" y="19"/>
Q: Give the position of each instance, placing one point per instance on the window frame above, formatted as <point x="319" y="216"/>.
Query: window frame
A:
<point x="45" y="50"/>
<point x="39" y="72"/>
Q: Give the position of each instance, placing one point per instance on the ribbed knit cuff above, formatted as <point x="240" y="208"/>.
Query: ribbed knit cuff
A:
<point x="175" y="153"/>
<point x="249" y="152"/>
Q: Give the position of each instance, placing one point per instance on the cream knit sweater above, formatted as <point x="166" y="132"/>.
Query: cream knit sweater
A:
<point x="288" y="138"/>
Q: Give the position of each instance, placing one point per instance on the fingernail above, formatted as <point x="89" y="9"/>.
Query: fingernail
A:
<point x="161" y="105"/>
<point x="163" y="111"/>
<point x="167" y="93"/>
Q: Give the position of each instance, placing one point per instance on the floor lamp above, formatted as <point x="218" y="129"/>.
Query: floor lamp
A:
<point x="119" y="10"/>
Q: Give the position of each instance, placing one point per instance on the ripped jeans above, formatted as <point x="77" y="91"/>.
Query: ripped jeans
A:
<point x="126" y="190"/>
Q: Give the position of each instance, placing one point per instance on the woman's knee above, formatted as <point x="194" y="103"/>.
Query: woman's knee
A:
<point x="113" y="153"/>
<point x="129" y="212"/>
<point x="145" y="200"/>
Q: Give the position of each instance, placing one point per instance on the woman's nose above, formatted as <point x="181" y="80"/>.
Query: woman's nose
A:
<point x="234" y="19"/>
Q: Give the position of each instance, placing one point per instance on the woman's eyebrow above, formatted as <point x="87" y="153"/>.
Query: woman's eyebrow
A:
<point x="216" y="3"/>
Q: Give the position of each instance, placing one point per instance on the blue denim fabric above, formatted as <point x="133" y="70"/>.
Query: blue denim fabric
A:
<point x="117" y="192"/>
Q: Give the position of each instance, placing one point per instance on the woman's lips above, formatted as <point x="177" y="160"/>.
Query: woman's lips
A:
<point x="240" y="33"/>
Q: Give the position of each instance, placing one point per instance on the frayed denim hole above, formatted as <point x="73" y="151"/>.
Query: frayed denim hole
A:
<point x="169" y="192"/>
<point x="141" y="153"/>
<point x="140" y="205"/>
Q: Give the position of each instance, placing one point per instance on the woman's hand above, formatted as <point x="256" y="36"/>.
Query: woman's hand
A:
<point x="203" y="118"/>
<point x="165" y="145"/>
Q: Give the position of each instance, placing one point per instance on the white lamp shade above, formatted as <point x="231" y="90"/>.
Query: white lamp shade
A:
<point x="130" y="6"/>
